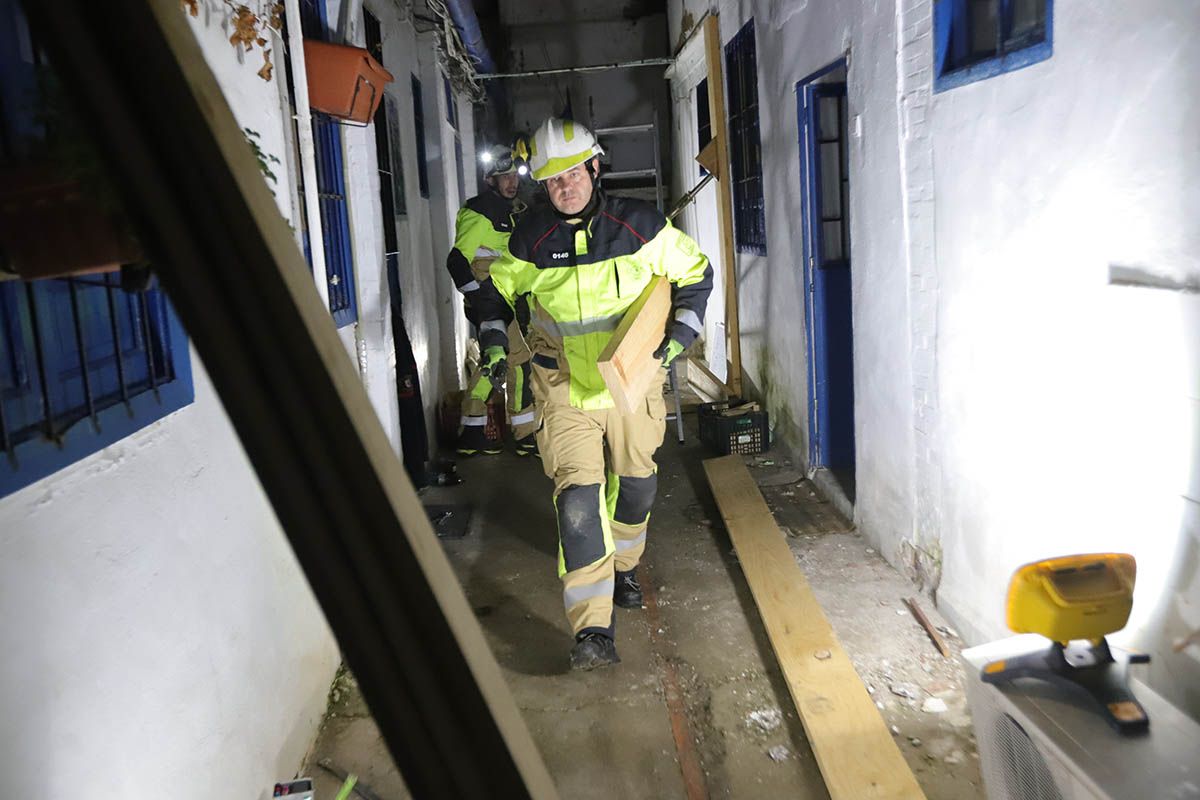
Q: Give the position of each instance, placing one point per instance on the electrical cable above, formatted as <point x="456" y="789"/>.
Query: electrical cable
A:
<point x="459" y="64"/>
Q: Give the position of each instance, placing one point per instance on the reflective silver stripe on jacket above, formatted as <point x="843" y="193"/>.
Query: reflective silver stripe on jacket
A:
<point x="689" y="318"/>
<point x="472" y="421"/>
<point x="493" y="325"/>
<point x="469" y="287"/>
<point x="521" y="419"/>
<point x="486" y="252"/>
<point x="592" y="325"/>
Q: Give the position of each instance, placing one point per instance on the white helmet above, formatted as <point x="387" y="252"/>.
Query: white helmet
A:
<point x="558" y="145"/>
<point x="497" y="160"/>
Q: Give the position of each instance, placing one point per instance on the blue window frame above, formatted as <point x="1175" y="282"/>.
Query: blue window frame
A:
<point x="83" y="364"/>
<point x="745" y="149"/>
<point x="331" y="189"/>
<point x="703" y="120"/>
<point x="977" y="39"/>
<point x="419" y="123"/>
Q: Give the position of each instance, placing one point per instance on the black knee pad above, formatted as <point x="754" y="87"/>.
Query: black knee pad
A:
<point x="635" y="497"/>
<point x="580" y="528"/>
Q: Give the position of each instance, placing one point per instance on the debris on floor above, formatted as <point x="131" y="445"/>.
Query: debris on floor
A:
<point x="779" y="753"/>
<point x="449" y="521"/>
<point x="737" y="706"/>
<point x="767" y="719"/>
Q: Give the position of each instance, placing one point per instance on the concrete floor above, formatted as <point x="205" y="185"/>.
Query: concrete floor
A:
<point x="608" y="734"/>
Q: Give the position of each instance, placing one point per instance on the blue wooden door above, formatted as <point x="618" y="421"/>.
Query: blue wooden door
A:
<point x="825" y="188"/>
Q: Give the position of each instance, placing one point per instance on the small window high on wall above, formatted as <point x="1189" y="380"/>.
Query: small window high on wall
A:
<point x="978" y="39"/>
<point x="745" y="150"/>
<point x="419" y="123"/>
<point x="703" y="120"/>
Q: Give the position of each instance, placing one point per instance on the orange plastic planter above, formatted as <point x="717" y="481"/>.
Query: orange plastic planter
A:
<point x="344" y="81"/>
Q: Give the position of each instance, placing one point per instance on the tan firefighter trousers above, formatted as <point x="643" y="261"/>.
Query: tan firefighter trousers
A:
<point x="520" y="399"/>
<point x="602" y="513"/>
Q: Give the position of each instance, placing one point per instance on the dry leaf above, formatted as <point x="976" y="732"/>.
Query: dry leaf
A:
<point x="192" y="7"/>
<point x="245" y="27"/>
<point x="276" y="20"/>
<point x="261" y="42"/>
<point x="265" y="72"/>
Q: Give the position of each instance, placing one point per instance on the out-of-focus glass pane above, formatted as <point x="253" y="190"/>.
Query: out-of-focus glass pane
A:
<point x="1028" y="22"/>
<point x="827" y="117"/>
<point x="985" y="27"/>
<point x="831" y="241"/>
<point x="831" y="181"/>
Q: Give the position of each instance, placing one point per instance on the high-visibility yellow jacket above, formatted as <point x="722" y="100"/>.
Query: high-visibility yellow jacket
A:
<point x="481" y="233"/>
<point x="582" y="276"/>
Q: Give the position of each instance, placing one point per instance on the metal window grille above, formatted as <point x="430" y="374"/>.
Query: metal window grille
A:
<point x="419" y="122"/>
<point x="745" y="149"/>
<point x="82" y="364"/>
<point x="703" y="120"/>
<point x="331" y="190"/>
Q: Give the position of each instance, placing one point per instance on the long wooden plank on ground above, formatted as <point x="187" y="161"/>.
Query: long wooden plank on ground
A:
<point x="627" y="364"/>
<point x="853" y="746"/>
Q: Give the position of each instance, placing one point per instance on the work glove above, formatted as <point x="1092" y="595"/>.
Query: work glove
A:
<point x="495" y="364"/>
<point x="668" y="350"/>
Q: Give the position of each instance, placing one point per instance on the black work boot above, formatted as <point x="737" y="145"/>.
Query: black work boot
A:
<point x="628" y="592"/>
<point x="593" y="650"/>
<point x="527" y="446"/>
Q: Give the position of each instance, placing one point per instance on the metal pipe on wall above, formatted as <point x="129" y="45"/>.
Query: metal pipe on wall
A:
<point x="645" y="62"/>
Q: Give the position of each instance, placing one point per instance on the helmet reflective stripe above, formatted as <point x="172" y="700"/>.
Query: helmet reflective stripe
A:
<point x="558" y="145"/>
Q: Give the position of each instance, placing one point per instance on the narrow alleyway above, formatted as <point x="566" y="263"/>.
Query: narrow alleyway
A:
<point x="609" y="733"/>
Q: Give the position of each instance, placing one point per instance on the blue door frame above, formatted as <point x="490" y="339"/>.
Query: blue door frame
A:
<point x="827" y="286"/>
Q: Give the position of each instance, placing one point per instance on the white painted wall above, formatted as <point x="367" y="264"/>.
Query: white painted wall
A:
<point x="157" y="629"/>
<point x="444" y="203"/>
<point x="158" y="633"/>
<point x="1071" y="405"/>
<point x="425" y="297"/>
<point x="1010" y="404"/>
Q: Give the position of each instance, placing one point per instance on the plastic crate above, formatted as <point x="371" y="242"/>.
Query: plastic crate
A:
<point x="746" y="432"/>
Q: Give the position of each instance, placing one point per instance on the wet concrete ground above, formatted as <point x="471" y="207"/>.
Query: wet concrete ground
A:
<point x="608" y="733"/>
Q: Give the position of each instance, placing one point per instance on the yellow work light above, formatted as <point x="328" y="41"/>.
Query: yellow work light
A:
<point x="1075" y="601"/>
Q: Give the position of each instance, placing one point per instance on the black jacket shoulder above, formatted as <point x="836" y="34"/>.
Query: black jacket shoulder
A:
<point x="494" y="207"/>
<point x="619" y="227"/>
<point x="532" y="229"/>
<point x="644" y="220"/>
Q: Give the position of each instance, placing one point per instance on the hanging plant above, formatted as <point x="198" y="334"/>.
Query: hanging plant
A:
<point x="250" y="26"/>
